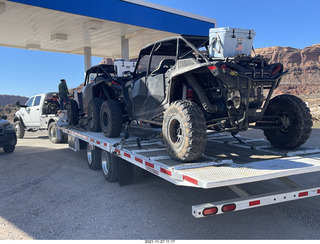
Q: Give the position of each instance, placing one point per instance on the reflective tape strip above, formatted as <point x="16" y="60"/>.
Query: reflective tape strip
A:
<point x="191" y="180"/>
<point x="149" y="164"/>
<point x="139" y="160"/>
<point x="303" y="194"/>
<point x="165" y="171"/>
<point x="254" y="203"/>
<point x="127" y="155"/>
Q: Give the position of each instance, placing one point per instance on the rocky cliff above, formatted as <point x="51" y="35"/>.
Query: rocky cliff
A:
<point x="303" y="65"/>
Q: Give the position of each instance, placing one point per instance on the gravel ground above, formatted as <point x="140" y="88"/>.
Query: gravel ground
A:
<point x="47" y="192"/>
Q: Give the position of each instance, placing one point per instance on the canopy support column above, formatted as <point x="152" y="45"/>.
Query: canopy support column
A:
<point x="124" y="48"/>
<point x="87" y="58"/>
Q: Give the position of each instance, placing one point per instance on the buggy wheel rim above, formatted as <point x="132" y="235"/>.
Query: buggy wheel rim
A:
<point x="175" y="131"/>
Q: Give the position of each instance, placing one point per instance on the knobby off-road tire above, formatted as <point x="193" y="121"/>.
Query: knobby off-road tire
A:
<point x="184" y="131"/>
<point x="111" y="118"/>
<point x="73" y="112"/>
<point x="94" y="114"/>
<point x="297" y="120"/>
<point x="52" y="133"/>
<point x="19" y="129"/>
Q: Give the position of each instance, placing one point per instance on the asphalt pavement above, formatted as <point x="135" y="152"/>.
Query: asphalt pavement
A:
<point x="47" y="192"/>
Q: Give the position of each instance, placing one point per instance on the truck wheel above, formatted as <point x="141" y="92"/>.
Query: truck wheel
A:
<point x="73" y="112"/>
<point x="94" y="114"/>
<point x="93" y="157"/>
<point x="109" y="166"/>
<point x="111" y="118"/>
<point x="184" y="131"/>
<point x="8" y="148"/>
<point x="52" y="133"/>
<point x="19" y="129"/>
<point x="296" y="119"/>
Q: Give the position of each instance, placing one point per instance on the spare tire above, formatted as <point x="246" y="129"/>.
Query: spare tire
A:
<point x="296" y="120"/>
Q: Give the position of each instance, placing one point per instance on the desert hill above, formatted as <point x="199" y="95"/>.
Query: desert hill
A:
<point x="303" y="67"/>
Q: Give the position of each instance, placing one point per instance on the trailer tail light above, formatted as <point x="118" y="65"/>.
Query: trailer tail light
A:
<point x="276" y="69"/>
<point x="210" y="211"/>
<point x="212" y="67"/>
<point x="229" y="208"/>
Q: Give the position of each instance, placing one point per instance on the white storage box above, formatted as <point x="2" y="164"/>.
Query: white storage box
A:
<point x="122" y="66"/>
<point x="227" y="42"/>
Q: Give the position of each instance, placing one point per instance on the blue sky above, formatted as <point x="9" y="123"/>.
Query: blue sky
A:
<point x="277" y="23"/>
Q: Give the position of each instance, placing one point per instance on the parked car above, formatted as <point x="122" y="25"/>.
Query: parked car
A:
<point x="8" y="138"/>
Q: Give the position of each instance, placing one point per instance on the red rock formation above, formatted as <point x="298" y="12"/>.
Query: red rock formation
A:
<point x="303" y="65"/>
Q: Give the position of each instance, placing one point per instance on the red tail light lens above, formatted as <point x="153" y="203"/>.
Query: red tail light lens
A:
<point x="212" y="67"/>
<point x="229" y="207"/>
<point x="210" y="211"/>
<point x="276" y="69"/>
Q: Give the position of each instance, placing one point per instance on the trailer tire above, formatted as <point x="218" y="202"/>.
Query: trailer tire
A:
<point x="52" y="133"/>
<point x="110" y="118"/>
<point x="184" y="131"/>
<point x="19" y="129"/>
<point x="109" y="166"/>
<point x="94" y="114"/>
<point x="73" y="112"/>
<point x="93" y="157"/>
<point x="296" y="118"/>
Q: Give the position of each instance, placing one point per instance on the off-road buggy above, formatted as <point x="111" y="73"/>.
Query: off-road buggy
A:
<point x="177" y="85"/>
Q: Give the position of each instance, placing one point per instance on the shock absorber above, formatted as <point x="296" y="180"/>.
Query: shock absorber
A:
<point x="190" y="94"/>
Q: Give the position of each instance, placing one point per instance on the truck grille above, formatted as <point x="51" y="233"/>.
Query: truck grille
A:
<point x="1" y="129"/>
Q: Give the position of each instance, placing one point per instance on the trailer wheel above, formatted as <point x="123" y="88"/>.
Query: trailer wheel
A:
<point x="111" y="118"/>
<point x="52" y="133"/>
<point x="184" y="131"/>
<point x="94" y="114"/>
<point x="72" y="112"/>
<point x="296" y="119"/>
<point x="93" y="157"/>
<point x="109" y="166"/>
<point x="19" y="129"/>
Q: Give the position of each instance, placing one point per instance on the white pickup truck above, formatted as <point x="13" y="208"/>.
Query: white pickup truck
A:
<point x="39" y="113"/>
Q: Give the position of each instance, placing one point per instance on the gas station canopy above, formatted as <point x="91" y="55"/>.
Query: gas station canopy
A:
<point x="103" y="28"/>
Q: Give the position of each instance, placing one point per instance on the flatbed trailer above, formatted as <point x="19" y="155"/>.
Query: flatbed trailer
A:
<point x="227" y="162"/>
